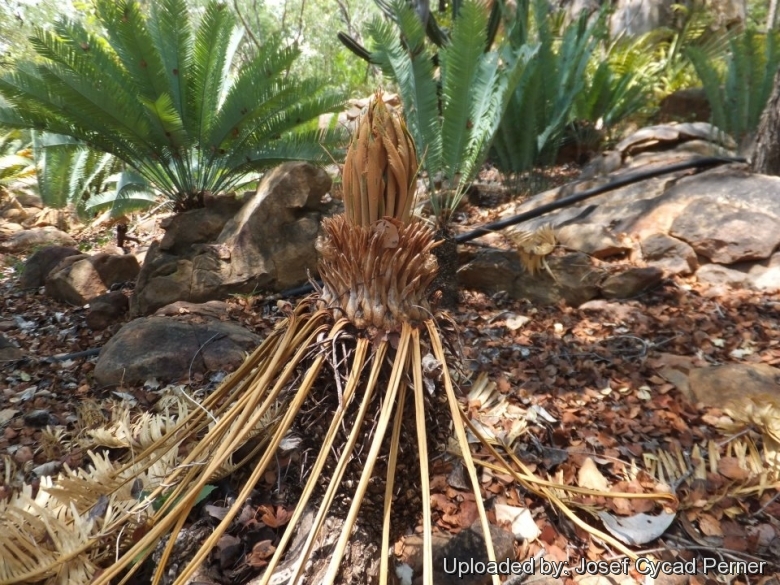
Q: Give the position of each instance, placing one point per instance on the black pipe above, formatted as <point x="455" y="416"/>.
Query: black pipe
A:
<point x="699" y="163"/>
<point x="709" y="161"/>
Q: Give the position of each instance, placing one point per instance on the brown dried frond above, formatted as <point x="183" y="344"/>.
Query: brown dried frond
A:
<point x="533" y="247"/>
<point x="377" y="275"/>
<point x="380" y="168"/>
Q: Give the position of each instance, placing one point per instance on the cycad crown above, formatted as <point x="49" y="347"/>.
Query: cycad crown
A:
<point x="376" y="264"/>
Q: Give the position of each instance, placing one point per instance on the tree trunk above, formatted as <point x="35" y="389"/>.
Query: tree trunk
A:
<point x="771" y="19"/>
<point x="765" y="158"/>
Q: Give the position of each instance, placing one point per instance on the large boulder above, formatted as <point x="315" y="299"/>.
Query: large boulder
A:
<point x="106" y="309"/>
<point x="172" y="348"/>
<point x="78" y="279"/>
<point x="268" y="244"/>
<point x="726" y="216"/>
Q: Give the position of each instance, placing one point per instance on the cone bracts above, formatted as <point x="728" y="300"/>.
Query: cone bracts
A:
<point x="376" y="265"/>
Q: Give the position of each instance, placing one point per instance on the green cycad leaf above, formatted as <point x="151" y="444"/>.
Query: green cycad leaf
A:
<point x="128" y="35"/>
<point x="412" y="69"/>
<point x="159" y="98"/>
<point x="55" y="158"/>
<point x="215" y="44"/>
<point x="460" y="62"/>
<point x="173" y="42"/>
<point x="132" y="193"/>
<point x="257" y="85"/>
<point x="164" y="114"/>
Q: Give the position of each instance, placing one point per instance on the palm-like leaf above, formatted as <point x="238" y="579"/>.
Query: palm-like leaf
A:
<point x="452" y="137"/>
<point x="167" y="99"/>
<point x="411" y="67"/>
<point x="738" y="92"/>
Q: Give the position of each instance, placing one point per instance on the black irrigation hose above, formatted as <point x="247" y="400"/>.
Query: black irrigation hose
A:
<point x="699" y="163"/>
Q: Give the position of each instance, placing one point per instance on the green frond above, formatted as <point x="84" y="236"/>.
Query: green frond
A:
<point x="460" y="63"/>
<point x="412" y="69"/>
<point x="173" y="42"/>
<point x="132" y="42"/>
<point x="258" y="85"/>
<point x="215" y="44"/>
<point x="132" y="193"/>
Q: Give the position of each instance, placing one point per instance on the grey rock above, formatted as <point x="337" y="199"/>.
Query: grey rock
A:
<point x="575" y="281"/>
<point x="26" y="241"/>
<point x="8" y="351"/>
<point x="594" y="240"/>
<point x="40" y="264"/>
<point x="716" y="385"/>
<point x="671" y="255"/>
<point x="169" y="348"/>
<point x="106" y="309"/>
<point x="267" y="245"/>
<point x="28" y="199"/>
<point x="632" y="282"/>
<point x="715" y="274"/>
<point x="79" y="279"/>
<point x="729" y="234"/>
<point x="74" y="281"/>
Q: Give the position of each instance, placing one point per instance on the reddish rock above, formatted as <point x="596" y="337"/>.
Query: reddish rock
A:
<point x="671" y="255"/>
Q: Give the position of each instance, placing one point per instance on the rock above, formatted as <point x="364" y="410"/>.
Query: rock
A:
<point x="197" y="226"/>
<point x="631" y="282"/>
<point x="7" y="229"/>
<point x="79" y="279"/>
<point x="671" y="255"/>
<point x="27" y="240"/>
<point x="213" y="309"/>
<point x="169" y="348"/>
<point x="41" y="263"/>
<point x="115" y="268"/>
<point x="672" y="135"/>
<point x="75" y="281"/>
<point x="268" y="244"/>
<point x="761" y="276"/>
<point x="765" y="276"/>
<point x="733" y="234"/>
<point x="716" y="385"/>
<point x="28" y="199"/>
<point x="576" y="279"/>
<point x="106" y="309"/>
<point x="8" y="351"/>
<point x="594" y="240"/>
<point x="715" y="274"/>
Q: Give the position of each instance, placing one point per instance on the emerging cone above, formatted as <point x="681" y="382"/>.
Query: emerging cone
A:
<point x="380" y="168"/>
<point x="376" y="267"/>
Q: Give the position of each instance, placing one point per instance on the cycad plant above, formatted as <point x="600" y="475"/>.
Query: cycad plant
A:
<point x="70" y="173"/>
<point x="17" y="166"/>
<point x="357" y="376"/>
<point x="454" y="114"/>
<point x="167" y="98"/>
<point x="739" y="90"/>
